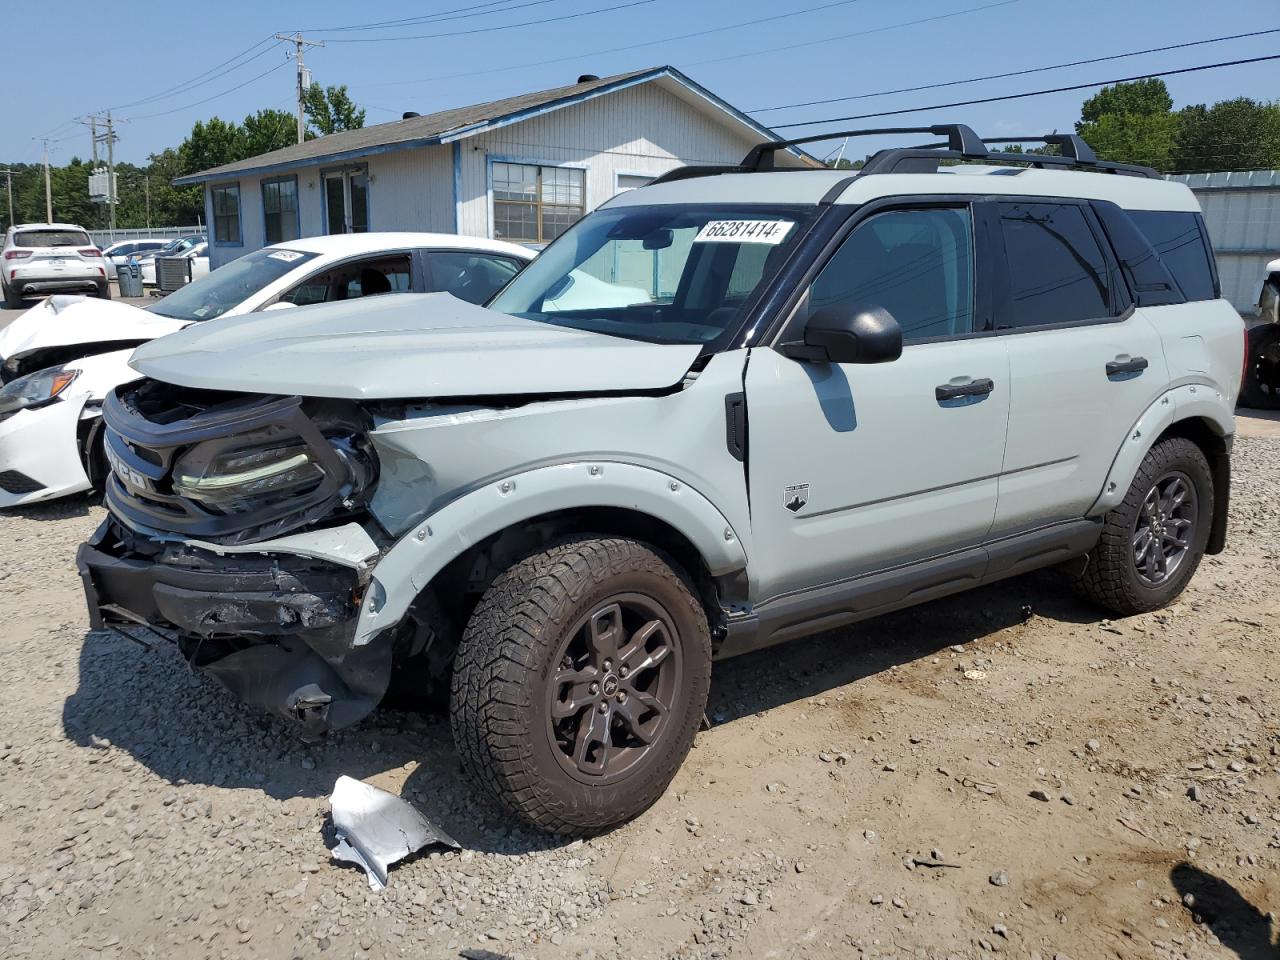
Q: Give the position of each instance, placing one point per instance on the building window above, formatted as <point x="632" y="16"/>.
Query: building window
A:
<point x="536" y="204"/>
<point x="280" y="210"/>
<point x="226" y="215"/>
<point x="633" y="181"/>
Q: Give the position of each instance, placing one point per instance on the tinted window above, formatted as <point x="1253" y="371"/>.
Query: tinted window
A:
<point x="1177" y="237"/>
<point x="1057" y="272"/>
<point x="917" y="264"/>
<point x="51" y="238"/>
<point x="473" y="277"/>
<point x="350" y="281"/>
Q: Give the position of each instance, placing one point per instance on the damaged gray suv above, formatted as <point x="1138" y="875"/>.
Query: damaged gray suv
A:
<point x="732" y="408"/>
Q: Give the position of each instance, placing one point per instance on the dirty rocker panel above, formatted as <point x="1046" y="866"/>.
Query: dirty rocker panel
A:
<point x="839" y="604"/>
<point x="279" y="637"/>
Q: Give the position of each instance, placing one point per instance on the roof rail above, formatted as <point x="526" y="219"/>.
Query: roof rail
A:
<point x="961" y="144"/>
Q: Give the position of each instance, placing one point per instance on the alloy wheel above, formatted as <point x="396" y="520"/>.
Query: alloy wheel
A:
<point x="1165" y="528"/>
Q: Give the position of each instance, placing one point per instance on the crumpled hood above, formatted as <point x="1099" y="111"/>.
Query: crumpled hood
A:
<point x="402" y="346"/>
<point x="61" y="321"/>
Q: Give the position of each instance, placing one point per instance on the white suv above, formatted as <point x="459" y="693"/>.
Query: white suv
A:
<point x="785" y="402"/>
<point x="50" y="258"/>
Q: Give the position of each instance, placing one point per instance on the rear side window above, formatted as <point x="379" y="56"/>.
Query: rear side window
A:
<point x="1179" y="239"/>
<point x="1057" y="271"/>
<point x="51" y="238"/>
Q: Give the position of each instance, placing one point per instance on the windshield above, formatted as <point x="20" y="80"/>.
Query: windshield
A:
<point x="666" y="274"/>
<point x="51" y="238"/>
<point x="229" y="286"/>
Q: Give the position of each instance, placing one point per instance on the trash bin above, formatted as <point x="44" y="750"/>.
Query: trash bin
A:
<point x="129" y="276"/>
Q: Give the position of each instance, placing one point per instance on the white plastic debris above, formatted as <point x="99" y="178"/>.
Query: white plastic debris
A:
<point x="376" y="829"/>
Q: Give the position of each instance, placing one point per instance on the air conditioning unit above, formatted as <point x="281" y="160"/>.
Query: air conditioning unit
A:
<point x="172" y="273"/>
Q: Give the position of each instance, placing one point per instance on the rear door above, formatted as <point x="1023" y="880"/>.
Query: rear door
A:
<point x="470" y="275"/>
<point x="856" y="468"/>
<point x="1084" y="363"/>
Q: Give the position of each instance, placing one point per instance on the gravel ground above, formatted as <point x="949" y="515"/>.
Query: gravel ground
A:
<point x="1002" y="772"/>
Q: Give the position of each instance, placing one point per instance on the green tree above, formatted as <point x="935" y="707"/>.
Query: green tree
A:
<point x="331" y="110"/>
<point x="212" y="143"/>
<point x="1239" y="134"/>
<point x="1140" y="98"/>
<point x="269" y="130"/>
<point x="1132" y="123"/>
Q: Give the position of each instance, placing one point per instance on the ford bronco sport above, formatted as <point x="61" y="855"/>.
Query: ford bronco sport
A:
<point x="799" y="399"/>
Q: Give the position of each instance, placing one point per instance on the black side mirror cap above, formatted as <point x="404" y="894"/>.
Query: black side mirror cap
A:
<point x="840" y="334"/>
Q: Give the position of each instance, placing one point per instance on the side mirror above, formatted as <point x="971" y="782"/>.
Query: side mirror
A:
<point x="843" y="334"/>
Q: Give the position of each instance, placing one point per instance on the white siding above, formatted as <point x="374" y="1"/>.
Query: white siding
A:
<point x="639" y="130"/>
<point x="412" y="190"/>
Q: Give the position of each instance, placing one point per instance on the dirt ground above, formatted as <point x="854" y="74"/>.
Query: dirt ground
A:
<point x="1004" y="772"/>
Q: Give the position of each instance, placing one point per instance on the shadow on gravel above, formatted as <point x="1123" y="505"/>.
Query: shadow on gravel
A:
<point x="1241" y="926"/>
<point x="186" y="729"/>
<point x="808" y="667"/>
<point x="65" y="508"/>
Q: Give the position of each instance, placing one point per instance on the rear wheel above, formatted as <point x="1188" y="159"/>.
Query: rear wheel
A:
<point x="1261" y="387"/>
<point x="580" y="682"/>
<point x="12" y="300"/>
<point x="104" y="291"/>
<point x="1154" y="540"/>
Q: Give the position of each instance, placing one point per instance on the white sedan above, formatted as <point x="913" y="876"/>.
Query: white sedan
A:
<point x="59" y="360"/>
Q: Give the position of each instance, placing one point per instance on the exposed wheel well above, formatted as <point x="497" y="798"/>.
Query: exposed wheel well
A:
<point x="1214" y="446"/>
<point x="455" y="590"/>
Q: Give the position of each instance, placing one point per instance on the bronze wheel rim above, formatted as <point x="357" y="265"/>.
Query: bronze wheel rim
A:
<point x="612" y="687"/>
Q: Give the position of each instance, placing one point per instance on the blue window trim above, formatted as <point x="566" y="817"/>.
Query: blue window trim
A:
<point x="213" y="214"/>
<point x="297" y="206"/>
<point x="492" y="158"/>
<point x="324" y="194"/>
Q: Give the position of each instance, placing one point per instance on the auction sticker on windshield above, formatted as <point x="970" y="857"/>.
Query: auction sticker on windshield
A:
<point x="771" y="232"/>
<point x="288" y="256"/>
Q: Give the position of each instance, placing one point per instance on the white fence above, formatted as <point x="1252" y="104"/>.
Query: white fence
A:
<point x="1242" y="212"/>
<point x="104" y="238"/>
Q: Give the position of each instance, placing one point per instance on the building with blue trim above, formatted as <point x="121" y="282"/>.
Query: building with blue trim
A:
<point x="520" y="169"/>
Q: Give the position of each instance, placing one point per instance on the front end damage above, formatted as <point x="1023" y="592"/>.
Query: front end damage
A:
<point x="205" y="492"/>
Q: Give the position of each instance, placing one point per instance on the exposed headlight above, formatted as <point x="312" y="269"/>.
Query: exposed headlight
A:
<point x="35" y="389"/>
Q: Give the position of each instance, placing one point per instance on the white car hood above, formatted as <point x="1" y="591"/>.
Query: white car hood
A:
<point x="402" y="346"/>
<point x="63" y="321"/>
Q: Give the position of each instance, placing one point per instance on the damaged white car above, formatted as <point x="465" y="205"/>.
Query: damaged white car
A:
<point x="60" y="359"/>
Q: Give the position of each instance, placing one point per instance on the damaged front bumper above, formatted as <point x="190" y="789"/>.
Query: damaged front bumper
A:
<point x="275" y="625"/>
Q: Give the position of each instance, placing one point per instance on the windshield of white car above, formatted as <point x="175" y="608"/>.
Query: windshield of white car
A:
<point x="51" y="238"/>
<point x="231" y="285"/>
<point x="664" y="274"/>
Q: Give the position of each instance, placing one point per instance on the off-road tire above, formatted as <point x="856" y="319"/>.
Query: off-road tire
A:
<point x="1252" y="393"/>
<point x="503" y="669"/>
<point x="1110" y="577"/>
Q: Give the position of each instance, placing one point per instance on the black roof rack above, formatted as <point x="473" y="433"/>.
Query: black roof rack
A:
<point x="961" y="144"/>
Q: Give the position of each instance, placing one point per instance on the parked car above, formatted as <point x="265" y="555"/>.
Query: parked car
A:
<point x="1262" y="369"/>
<point x="842" y="394"/>
<point x="50" y="258"/>
<point x="119" y="252"/>
<point x="60" y="359"/>
<point x="195" y="249"/>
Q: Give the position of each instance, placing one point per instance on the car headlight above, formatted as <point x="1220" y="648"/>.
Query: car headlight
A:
<point x="35" y="389"/>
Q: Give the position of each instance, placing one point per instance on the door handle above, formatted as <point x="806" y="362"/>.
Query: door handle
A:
<point x="1119" y="367"/>
<point x="956" y="391"/>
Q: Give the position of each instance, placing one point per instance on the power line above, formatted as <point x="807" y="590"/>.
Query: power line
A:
<point x="1016" y="73"/>
<point x="203" y="78"/>
<point x="462" y="13"/>
<point x="856" y="33"/>
<point x="165" y="113"/>
<point x="629" y="46"/>
<point x="508" y="26"/>
<point x="1030" y="93"/>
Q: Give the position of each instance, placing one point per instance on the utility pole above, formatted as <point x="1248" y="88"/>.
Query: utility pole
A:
<point x="48" y="190"/>
<point x="146" y="184"/>
<point x="111" y="173"/>
<point x="8" y="176"/>
<point x="304" y="76"/>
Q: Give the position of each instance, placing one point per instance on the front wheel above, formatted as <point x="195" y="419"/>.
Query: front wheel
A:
<point x="580" y="682"/>
<point x="1261" y="387"/>
<point x="1154" y="540"/>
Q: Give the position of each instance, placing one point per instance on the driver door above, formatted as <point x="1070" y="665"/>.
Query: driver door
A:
<point x="857" y="468"/>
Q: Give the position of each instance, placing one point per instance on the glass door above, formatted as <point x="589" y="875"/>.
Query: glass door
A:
<point x="346" y="200"/>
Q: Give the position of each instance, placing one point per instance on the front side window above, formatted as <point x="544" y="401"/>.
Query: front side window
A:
<point x="229" y="286"/>
<point x="535" y="204"/>
<point x="473" y="277"/>
<point x="916" y="264"/>
<point x="1057" y="271"/>
<point x="354" y="279"/>
<point x="1178" y="239"/>
<point x="665" y="274"/>
<point x="226" y="214"/>
<point x="280" y="210"/>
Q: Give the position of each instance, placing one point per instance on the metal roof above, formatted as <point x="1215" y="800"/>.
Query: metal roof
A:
<point x="1231" y="180"/>
<point x="449" y="125"/>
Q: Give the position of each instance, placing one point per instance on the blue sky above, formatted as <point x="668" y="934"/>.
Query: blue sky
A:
<point x="120" y="58"/>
